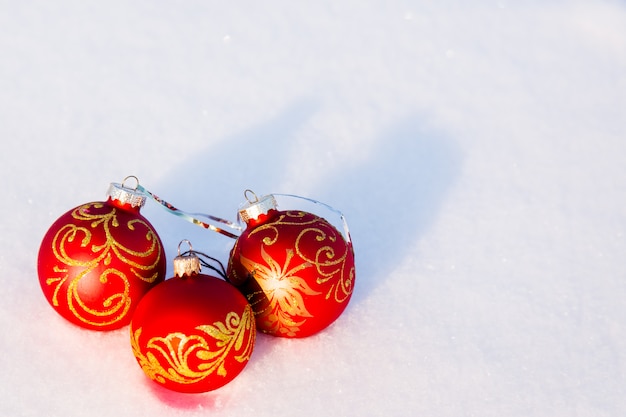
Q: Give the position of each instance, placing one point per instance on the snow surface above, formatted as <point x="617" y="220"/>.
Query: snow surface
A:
<point x="476" y="148"/>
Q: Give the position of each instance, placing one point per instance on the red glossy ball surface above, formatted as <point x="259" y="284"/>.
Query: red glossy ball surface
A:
<point x="296" y="270"/>
<point x="97" y="261"/>
<point x="193" y="334"/>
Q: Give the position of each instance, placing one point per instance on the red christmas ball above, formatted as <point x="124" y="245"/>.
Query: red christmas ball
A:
<point x="98" y="259"/>
<point x="295" y="268"/>
<point x="192" y="333"/>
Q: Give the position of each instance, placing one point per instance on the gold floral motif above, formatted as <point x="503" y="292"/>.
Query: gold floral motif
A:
<point x="187" y="359"/>
<point x="284" y="291"/>
<point x="116" y="306"/>
<point x="328" y="264"/>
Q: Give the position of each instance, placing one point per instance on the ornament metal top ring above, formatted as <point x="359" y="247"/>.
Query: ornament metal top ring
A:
<point x="256" y="198"/>
<point x="136" y="182"/>
<point x="183" y="241"/>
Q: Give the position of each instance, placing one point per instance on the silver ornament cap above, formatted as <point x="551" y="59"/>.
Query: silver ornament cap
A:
<point x="186" y="265"/>
<point x="255" y="206"/>
<point x="125" y="195"/>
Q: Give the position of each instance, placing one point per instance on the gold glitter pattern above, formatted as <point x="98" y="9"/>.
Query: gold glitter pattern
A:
<point x="286" y="288"/>
<point x="115" y="306"/>
<point x="188" y="359"/>
<point x="284" y="291"/>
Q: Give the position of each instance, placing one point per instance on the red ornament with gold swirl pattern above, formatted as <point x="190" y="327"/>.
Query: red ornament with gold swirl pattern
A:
<point x="295" y="268"/>
<point x="192" y="333"/>
<point x="98" y="259"/>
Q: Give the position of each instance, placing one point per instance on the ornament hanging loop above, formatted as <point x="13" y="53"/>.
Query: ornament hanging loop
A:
<point x="256" y="198"/>
<point x="188" y="243"/>
<point x="136" y="182"/>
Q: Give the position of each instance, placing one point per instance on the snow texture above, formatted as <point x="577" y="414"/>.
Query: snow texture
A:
<point x="476" y="149"/>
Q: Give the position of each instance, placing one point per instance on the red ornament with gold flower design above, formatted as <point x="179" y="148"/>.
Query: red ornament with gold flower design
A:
<point x="192" y="333"/>
<point x="295" y="268"/>
<point x="98" y="259"/>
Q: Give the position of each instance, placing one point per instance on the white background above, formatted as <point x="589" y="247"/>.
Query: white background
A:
<point x="477" y="150"/>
